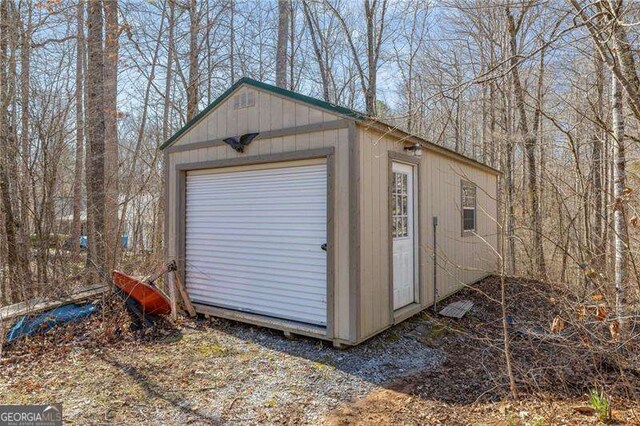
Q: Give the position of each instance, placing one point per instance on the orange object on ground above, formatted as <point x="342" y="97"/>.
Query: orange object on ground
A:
<point x="151" y="299"/>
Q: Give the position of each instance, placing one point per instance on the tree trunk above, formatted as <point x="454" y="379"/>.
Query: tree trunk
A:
<point x="316" y="41"/>
<point x="17" y="262"/>
<point x="25" y="146"/>
<point x="620" y="62"/>
<point x="158" y="237"/>
<point x="510" y="219"/>
<point x="622" y="48"/>
<point x="111" y="172"/>
<point x="372" y="65"/>
<point x="292" y="49"/>
<point x="503" y="304"/>
<point x="619" y="221"/>
<point x="194" y="51"/>
<point x="232" y="40"/>
<point x="95" y="122"/>
<point x="169" y="75"/>
<point x="284" y="11"/>
<point x="530" y="140"/>
<point x="76" y="227"/>
<point x="596" y="170"/>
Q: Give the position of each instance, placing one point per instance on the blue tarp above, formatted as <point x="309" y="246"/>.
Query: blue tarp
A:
<point x="27" y="326"/>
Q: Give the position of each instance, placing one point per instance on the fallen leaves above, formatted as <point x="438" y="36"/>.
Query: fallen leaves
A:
<point x="558" y="325"/>
<point x="601" y="312"/>
<point x="614" y="329"/>
<point x="584" y="410"/>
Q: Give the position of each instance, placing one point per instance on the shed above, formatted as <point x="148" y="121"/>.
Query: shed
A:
<point x="328" y="223"/>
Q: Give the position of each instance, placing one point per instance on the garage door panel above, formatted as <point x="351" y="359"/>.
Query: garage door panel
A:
<point x="223" y="273"/>
<point x="285" y="311"/>
<point x="227" y="215"/>
<point x="276" y="205"/>
<point x="300" y="314"/>
<point x="262" y="290"/>
<point x="253" y="241"/>
<point x="309" y="217"/>
<point x="299" y="187"/>
<point x="254" y="176"/>
<point x="200" y="291"/>
<point x="262" y="262"/>
<point x="312" y="244"/>
<point x="264" y="303"/>
<point x="311" y="231"/>
<point x="285" y="252"/>
<point x="261" y="283"/>
<point x="265" y="295"/>
<point x="262" y="269"/>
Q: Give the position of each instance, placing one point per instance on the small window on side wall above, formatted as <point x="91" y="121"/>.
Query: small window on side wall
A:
<point x="468" y="207"/>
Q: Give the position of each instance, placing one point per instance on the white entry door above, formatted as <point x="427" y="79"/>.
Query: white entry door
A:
<point x="403" y="234"/>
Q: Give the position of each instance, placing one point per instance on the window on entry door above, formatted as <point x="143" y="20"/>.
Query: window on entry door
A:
<point x="400" y="205"/>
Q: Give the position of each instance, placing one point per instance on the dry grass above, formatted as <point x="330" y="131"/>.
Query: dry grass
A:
<point x="555" y="372"/>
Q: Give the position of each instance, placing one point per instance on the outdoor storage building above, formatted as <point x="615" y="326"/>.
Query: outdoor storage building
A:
<point x="322" y="224"/>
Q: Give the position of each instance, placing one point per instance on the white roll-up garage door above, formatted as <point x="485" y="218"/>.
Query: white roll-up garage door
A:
<point x="254" y="241"/>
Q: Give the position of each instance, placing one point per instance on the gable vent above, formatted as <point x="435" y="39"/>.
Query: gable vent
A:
<point x="245" y="99"/>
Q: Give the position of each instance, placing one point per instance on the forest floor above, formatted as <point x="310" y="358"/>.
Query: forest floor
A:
<point x="427" y="370"/>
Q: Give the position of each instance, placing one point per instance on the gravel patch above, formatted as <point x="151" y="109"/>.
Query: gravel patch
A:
<point x="314" y="377"/>
<point x="219" y="371"/>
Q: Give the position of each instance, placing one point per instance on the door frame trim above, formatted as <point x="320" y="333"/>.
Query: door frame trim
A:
<point x="181" y="197"/>
<point x="396" y="157"/>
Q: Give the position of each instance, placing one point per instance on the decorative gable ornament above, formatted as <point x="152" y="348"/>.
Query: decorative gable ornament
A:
<point x="238" y="144"/>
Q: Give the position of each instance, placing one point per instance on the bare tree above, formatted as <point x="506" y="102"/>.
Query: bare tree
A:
<point x="284" y="18"/>
<point x="111" y="165"/>
<point x="194" y="54"/>
<point x="596" y="166"/>
<point x="79" y="98"/>
<point x="530" y="138"/>
<point x="317" y="41"/>
<point x="375" y="23"/>
<point x="621" y="236"/>
<point x="19" y="274"/>
<point x="613" y="47"/>
<point x="169" y="74"/>
<point x="413" y="39"/>
<point x="25" y="145"/>
<point x="95" y="122"/>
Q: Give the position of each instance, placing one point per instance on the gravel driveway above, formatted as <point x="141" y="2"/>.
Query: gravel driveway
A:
<point x="219" y="372"/>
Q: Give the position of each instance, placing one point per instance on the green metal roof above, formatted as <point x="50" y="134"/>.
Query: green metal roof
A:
<point x="269" y="88"/>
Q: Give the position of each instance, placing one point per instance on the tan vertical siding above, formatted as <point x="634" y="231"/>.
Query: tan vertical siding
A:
<point x="271" y="112"/>
<point x="461" y="260"/>
<point x="339" y="140"/>
<point x="374" y="289"/>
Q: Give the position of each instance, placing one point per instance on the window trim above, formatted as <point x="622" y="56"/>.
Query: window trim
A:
<point x="468" y="232"/>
